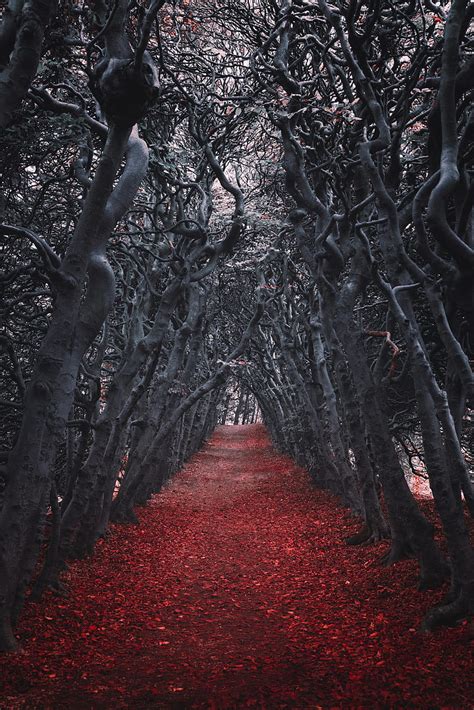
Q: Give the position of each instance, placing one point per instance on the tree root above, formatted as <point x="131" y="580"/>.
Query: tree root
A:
<point x="358" y="538"/>
<point x="452" y="613"/>
<point x="367" y="536"/>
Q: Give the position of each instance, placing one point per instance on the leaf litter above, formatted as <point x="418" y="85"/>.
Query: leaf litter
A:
<point x="237" y="590"/>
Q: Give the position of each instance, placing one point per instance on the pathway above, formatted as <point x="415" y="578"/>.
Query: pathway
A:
<point x="236" y="591"/>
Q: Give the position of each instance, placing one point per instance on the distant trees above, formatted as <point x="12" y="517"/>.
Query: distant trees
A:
<point x="296" y="213"/>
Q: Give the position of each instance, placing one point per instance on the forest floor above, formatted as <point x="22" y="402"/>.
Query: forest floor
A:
<point x="237" y="590"/>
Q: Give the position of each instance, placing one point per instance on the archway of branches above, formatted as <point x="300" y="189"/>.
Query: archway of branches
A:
<point x="238" y="404"/>
<point x="225" y="212"/>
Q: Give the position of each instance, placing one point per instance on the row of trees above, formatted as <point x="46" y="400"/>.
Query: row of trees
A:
<point x="382" y="223"/>
<point x="295" y="215"/>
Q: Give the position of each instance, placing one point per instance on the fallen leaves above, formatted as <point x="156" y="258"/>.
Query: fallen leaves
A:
<point x="237" y="591"/>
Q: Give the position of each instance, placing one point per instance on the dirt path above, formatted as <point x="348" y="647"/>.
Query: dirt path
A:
<point x="237" y="591"/>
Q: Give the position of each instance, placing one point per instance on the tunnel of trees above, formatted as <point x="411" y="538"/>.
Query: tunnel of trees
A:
<point x="236" y="211"/>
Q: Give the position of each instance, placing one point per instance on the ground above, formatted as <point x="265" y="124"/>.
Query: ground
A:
<point x="237" y="590"/>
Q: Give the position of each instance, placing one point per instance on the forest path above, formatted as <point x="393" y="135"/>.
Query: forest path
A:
<point x="236" y="591"/>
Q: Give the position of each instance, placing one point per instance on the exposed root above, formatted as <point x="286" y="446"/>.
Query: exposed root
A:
<point x="376" y="536"/>
<point x="358" y="538"/>
<point x="450" y="614"/>
<point x="367" y="536"/>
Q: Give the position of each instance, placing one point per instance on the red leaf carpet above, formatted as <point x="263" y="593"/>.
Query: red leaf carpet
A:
<point x="237" y="590"/>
